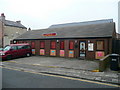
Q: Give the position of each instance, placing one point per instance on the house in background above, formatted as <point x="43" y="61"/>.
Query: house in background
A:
<point x="87" y="40"/>
<point x="9" y="30"/>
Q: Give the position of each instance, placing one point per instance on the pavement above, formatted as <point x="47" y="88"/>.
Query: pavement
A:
<point x="71" y="67"/>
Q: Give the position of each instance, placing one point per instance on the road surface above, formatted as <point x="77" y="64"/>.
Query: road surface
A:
<point x="25" y="79"/>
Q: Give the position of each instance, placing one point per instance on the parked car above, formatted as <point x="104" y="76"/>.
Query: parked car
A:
<point x="16" y="50"/>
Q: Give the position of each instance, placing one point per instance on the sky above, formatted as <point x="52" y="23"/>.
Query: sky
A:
<point x="40" y="14"/>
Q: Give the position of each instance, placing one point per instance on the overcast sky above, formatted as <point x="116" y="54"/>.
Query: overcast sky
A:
<point x="40" y="14"/>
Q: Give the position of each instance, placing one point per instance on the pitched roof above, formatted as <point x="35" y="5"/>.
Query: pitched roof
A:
<point x="81" y="23"/>
<point x="14" y="24"/>
<point x="85" y="31"/>
<point x="11" y="23"/>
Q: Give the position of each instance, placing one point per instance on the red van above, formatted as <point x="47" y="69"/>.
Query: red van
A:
<point x="16" y="50"/>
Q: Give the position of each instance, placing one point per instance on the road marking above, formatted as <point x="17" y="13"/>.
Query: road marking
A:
<point x="71" y="78"/>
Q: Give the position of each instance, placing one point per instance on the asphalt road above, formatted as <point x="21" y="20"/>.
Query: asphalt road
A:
<point x="21" y="79"/>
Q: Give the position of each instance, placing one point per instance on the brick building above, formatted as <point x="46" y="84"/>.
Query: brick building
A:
<point x="87" y="40"/>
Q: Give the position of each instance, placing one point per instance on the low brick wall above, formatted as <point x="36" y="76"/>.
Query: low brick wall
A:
<point x="104" y="63"/>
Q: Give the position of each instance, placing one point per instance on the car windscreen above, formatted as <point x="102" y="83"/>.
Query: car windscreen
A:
<point x="6" y="48"/>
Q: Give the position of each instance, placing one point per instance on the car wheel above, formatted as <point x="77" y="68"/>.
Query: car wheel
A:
<point x="28" y="55"/>
<point x="9" y="57"/>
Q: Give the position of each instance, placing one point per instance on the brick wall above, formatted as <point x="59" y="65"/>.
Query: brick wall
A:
<point x="76" y="50"/>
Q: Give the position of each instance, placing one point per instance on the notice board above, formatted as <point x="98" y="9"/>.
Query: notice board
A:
<point x="100" y="54"/>
<point x="71" y="53"/>
<point x="62" y="53"/>
<point x="52" y="52"/>
<point x="33" y="51"/>
<point x="42" y="52"/>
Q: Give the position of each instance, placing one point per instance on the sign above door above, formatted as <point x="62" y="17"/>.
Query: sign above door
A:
<point x="49" y="34"/>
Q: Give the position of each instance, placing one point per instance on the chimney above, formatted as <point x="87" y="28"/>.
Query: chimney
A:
<point x="18" y="21"/>
<point x="2" y="17"/>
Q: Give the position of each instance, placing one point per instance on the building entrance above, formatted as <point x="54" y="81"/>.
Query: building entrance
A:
<point x="82" y="49"/>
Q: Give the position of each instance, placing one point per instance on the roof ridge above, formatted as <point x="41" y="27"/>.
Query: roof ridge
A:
<point x="81" y="23"/>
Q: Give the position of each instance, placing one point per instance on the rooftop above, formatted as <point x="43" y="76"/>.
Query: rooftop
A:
<point x="11" y="23"/>
<point x="81" y="23"/>
<point x="82" y="31"/>
<point x="14" y="24"/>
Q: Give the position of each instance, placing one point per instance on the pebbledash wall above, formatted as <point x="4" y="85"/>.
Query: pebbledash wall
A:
<point x="88" y="41"/>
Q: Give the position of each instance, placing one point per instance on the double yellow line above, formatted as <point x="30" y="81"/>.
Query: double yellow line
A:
<point x="71" y="78"/>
